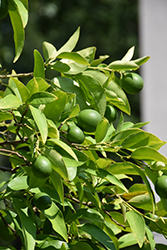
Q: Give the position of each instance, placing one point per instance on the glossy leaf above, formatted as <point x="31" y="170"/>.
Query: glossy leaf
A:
<point x="61" y="66"/>
<point x="64" y="146"/>
<point x="27" y="224"/>
<point x="88" y="53"/>
<point x="23" y="90"/>
<point x="99" y="235"/>
<point x="57" y="161"/>
<point x="116" y="96"/>
<point x="142" y="201"/>
<point x="128" y="56"/>
<point x="23" y="10"/>
<point x="54" y="109"/>
<point x="58" y="184"/>
<point x="49" y="51"/>
<point x="38" y="65"/>
<point x="147" y="153"/>
<point x="40" y="121"/>
<point x="37" y="84"/>
<point x="127" y="240"/>
<point x="141" y="60"/>
<point x="18" y="183"/>
<point x="123" y="65"/>
<point x="41" y="98"/>
<point x="74" y="56"/>
<point x="55" y="216"/>
<point x="137" y="226"/>
<point x="18" y="28"/>
<point x="10" y="102"/>
<point x="94" y="92"/>
<point x="101" y="130"/>
<point x="71" y="43"/>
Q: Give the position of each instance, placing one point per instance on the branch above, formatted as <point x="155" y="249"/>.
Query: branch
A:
<point x="7" y="151"/>
<point x="16" y="75"/>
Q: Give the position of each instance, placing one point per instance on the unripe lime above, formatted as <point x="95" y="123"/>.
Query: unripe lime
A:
<point x="42" y="167"/>
<point x="88" y="119"/>
<point x="111" y="113"/>
<point x="161" y="186"/>
<point x="132" y="83"/>
<point x="42" y="201"/>
<point x="75" y="134"/>
<point x="3" y="8"/>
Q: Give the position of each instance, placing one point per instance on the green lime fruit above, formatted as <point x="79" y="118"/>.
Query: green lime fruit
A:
<point x="161" y="186"/>
<point x="42" y="201"/>
<point x="132" y="83"/>
<point x="3" y="8"/>
<point x="88" y="119"/>
<point x="110" y="113"/>
<point x="6" y="233"/>
<point x="75" y="134"/>
<point x="42" y="167"/>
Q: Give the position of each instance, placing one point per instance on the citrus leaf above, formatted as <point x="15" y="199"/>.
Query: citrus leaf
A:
<point x="57" y="161"/>
<point x="40" y="121"/>
<point x="38" y="65"/>
<point x="123" y="65"/>
<point x="137" y="225"/>
<point x="18" y="183"/>
<point x="58" y="184"/>
<point x="116" y="96"/>
<point x="127" y="240"/>
<point x="56" y="218"/>
<point x="99" y="235"/>
<point x="101" y="130"/>
<point x="147" y="153"/>
<point x="27" y="224"/>
<point x="49" y="51"/>
<point x="10" y="102"/>
<point x="88" y="53"/>
<point x="23" y="90"/>
<point x="71" y="43"/>
<point x="141" y="60"/>
<point x="65" y="147"/>
<point x="60" y="66"/>
<point x="18" y="28"/>
<point x="128" y="56"/>
<point x="82" y="245"/>
<point x="23" y="10"/>
<point x="74" y="56"/>
<point x="42" y="98"/>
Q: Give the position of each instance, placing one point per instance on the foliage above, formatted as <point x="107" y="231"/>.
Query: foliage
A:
<point x="91" y="207"/>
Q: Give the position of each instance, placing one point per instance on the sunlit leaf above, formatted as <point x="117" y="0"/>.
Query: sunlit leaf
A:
<point x="38" y="65"/>
<point x="10" y="102"/>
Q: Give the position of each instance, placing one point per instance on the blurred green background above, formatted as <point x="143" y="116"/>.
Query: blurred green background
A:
<point x="109" y="25"/>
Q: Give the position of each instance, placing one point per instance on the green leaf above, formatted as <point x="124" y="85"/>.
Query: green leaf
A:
<point x="23" y="90"/>
<point x="147" y="153"/>
<point x="60" y="66"/>
<point x="127" y="240"/>
<point x="10" y="102"/>
<point x="39" y="70"/>
<point x="75" y="111"/>
<point x="122" y="168"/>
<point x="71" y="43"/>
<point x="18" y="28"/>
<point x="27" y="224"/>
<point x="116" y="96"/>
<point x="142" y="138"/>
<point x="40" y="121"/>
<point x="37" y="84"/>
<point x="49" y="51"/>
<point x="74" y="56"/>
<point x="57" y="161"/>
<point x="128" y="56"/>
<point x="142" y="201"/>
<point x="56" y="218"/>
<point x="111" y="178"/>
<point x="42" y="98"/>
<point x="99" y="235"/>
<point x="123" y="65"/>
<point x="5" y="116"/>
<point x="93" y="91"/>
<point x="64" y="146"/>
<point x="82" y="245"/>
<point x="58" y="184"/>
<point x="68" y="85"/>
<point x="18" y="183"/>
<point x="23" y="10"/>
<point x="54" y="109"/>
<point x="141" y="60"/>
<point x="150" y="237"/>
<point x="101" y="130"/>
<point x="88" y="53"/>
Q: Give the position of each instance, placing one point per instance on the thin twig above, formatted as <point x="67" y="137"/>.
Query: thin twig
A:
<point x="16" y="75"/>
